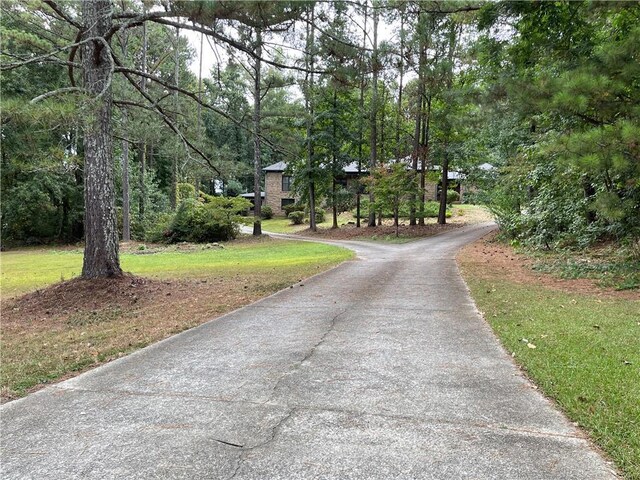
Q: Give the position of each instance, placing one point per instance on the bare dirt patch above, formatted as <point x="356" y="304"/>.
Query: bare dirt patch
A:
<point x="491" y="259"/>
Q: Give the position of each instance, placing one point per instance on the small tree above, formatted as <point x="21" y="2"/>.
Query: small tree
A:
<point x="391" y="187"/>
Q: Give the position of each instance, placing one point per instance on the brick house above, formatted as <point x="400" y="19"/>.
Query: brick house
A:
<point x="279" y="192"/>
<point x="278" y="188"/>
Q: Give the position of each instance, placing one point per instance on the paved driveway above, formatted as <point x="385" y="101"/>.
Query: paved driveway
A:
<point x="378" y="369"/>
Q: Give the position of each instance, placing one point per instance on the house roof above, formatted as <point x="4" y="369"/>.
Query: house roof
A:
<point x="276" y="167"/>
<point x="352" y="168"/>
<point x="251" y="195"/>
<point x="282" y="166"/>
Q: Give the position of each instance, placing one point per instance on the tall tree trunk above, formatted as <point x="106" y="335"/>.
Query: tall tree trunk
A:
<point x="374" y="113"/>
<point x="199" y="117"/>
<point x="396" y="215"/>
<point x="142" y="198"/>
<point x="142" y="146"/>
<point x="257" y="161"/>
<point x="334" y="209"/>
<point x="400" y="88"/>
<point x="424" y="155"/>
<point x="101" y="231"/>
<point x="126" y="222"/>
<point x="416" y="149"/>
<point x="334" y="159"/>
<point x="422" y="62"/>
<point x="362" y="117"/>
<point x="309" y="57"/>
<point x="382" y="117"/>
<point x="442" y="213"/>
<point x="176" y="106"/>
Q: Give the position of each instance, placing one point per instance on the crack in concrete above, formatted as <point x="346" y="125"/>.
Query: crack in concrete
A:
<point x="242" y="456"/>
<point x="307" y="356"/>
<point x="332" y="326"/>
<point x="412" y="418"/>
<point x="224" y="442"/>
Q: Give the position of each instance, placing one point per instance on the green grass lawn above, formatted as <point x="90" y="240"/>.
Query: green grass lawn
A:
<point x="29" y="269"/>
<point x="586" y="356"/>
<point x="284" y="225"/>
<point x="281" y="225"/>
<point x="72" y="327"/>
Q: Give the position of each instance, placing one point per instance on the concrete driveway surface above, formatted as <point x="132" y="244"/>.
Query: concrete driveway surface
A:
<point x="379" y="369"/>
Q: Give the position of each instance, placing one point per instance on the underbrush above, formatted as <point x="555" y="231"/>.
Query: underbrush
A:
<point x="611" y="265"/>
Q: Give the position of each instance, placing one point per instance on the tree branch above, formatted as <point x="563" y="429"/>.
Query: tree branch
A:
<point x="158" y="109"/>
<point x="235" y="44"/>
<point x="41" y="58"/>
<point x="59" y="91"/>
<point x="130" y="71"/>
<point x="53" y="6"/>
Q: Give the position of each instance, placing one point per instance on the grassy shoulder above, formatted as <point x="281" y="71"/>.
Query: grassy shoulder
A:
<point x="52" y="333"/>
<point x="580" y="345"/>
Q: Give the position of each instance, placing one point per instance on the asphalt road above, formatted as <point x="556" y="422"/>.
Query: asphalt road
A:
<point x="379" y="369"/>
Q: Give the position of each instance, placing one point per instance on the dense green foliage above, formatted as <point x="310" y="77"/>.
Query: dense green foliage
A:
<point x="202" y="218"/>
<point x="570" y="161"/>
<point x="296" y="217"/>
<point x="546" y="92"/>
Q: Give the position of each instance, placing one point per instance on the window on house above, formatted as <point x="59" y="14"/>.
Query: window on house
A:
<point x="286" y="201"/>
<point x="286" y="183"/>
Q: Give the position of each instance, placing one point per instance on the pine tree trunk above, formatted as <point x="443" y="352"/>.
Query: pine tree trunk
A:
<point x="257" y="161"/>
<point x="335" y="206"/>
<point x="334" y="160"/>
<point x="101" y="232"/>
<point x="142" y="198"/>
<point x="310" y="113"/>
<point x="142" y="147"/>
<point x="400" y="88"/>
<point x="362" y="117"/>
<point x="126" y="222"/>
<point x="374" y="114"/>
<point x="422" y="61"/>
<point x="424" y="149"/>
<point x="442" y="213"/>
<point x="176" y="107"/>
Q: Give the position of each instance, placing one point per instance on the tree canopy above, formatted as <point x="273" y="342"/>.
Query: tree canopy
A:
<point x="546" y="92"/>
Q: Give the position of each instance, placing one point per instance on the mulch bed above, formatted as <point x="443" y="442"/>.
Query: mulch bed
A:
<point x="351" y="232"/>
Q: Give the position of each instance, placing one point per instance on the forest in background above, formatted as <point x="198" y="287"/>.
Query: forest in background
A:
<point x="546" y="92"/>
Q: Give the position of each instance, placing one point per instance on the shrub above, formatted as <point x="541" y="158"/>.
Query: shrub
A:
<point x="319" y="215"/>
<point x="209" y="219"/>
<point x="431" y="209"/>
<point x="296" y="217"/>
<point x="293" y="207"/>
<point x="184" y="191"/>
<point x="160" y="230"/>
<point x="266" y="212"/>
<point x="452" y="196"/>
